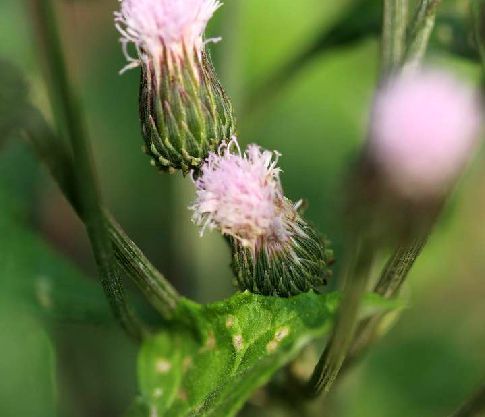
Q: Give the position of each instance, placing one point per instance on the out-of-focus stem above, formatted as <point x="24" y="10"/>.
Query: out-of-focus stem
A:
<point x="333" y="356"/>
<point x="87" y="191"/>
<point x="474" y="406"/>
<point x="399" y="264"/>
<point x="130" y="258"/>
<point x="421" y="29"/>
<point x="478" y="9"/>
<point x="393" y="35"/>
<point x="388" y="286"/>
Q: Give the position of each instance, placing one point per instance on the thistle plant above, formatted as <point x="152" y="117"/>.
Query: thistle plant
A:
<point x="209" y="359"/>
<point x="274" y="251"/>
<point x="184" y="110"/>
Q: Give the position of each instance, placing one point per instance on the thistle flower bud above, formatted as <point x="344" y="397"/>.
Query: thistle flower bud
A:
<point x="424" y="130"/>
<point x="274" y="251"/>
<point x="184" y="111"/>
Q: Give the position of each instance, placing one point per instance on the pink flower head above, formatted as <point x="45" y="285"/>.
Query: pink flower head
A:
<point x="424" y="128"/>
<point x="155" y="25"/>
<point x="240" y="194"/>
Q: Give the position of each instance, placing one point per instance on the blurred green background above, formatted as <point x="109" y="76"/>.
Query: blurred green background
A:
<point x="301" y="75"/>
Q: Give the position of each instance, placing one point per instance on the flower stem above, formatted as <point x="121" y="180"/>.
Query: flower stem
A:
<point x="149" y="280"/>
<point x="332" y="358"/>
<point x="87" y="192"/>
<point x="398" y="267"/>
<point x="388" y="286"/>
<point x="421" y="29"/>
<point x="52" y="151"/>
<point x="349" y="340"/>
<point x="393" y="35"/>
<point x="399" y="264"/>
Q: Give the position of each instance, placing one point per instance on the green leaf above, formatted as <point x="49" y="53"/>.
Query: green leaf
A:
<point x="214" y="356"/>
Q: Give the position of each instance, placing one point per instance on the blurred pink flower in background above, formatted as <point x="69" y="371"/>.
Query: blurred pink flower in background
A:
<point x="424" y="129"/>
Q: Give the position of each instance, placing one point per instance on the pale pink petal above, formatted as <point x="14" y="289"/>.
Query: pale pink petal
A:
<point x="240" y="194"/>
<point x="152" y="25"/>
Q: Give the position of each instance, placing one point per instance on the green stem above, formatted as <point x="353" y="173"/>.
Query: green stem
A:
<point x="345" y="341"/>
<point x="422" y="27"/>
<point x="393" y="35"/>
<point x="87" y="191"/>
<point x="398" y="267"/>
<point x="337" y="347"/>
<point x="399" y="264"/>
<point x="474" y="406"/>
<point x="159" y="292"/>
<point x="389" y="284"/>
<point x="478" y="9"/>
<point x="129" y="257"/>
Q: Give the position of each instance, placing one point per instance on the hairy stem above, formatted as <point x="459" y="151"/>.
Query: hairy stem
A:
<point x="388" y="286"/>
<point x="393" y="35"/>
<point x="337" y="347"/>
<point x="399" y="264"/>
<point x="130" y="258"/>
<point x="421" y="29"/>
<point x="87" y="192"/>
<point x="159" y="292"/>
<point x="398" y="267"/>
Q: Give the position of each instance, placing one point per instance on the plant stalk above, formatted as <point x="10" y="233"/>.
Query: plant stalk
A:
<point x="130" y="258"/>
<point x="399" y="264"/>
<point x="333" y="356"/>
<point x="87" y="192"/>
<point x="389" y="284"/>
<point x="393" y="35"/>
<point x="421" y="29"/>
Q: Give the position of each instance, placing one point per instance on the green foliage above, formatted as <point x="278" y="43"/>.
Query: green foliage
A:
<point x="13" y="90"/>
<point x="321" y="109"/>
<point x="30" y="271"/>
<point x="275" y="30"/>
<point x="35" y="282"/>
<point x="45" y="281"/>
<point x="227" y="350"/>
<point x="27" y="385"/>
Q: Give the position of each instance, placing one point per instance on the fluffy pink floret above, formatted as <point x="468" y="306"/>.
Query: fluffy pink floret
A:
<point x="424" y="129"/>
<point x="240" y="194"/>
<point x="154" y="24"/>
